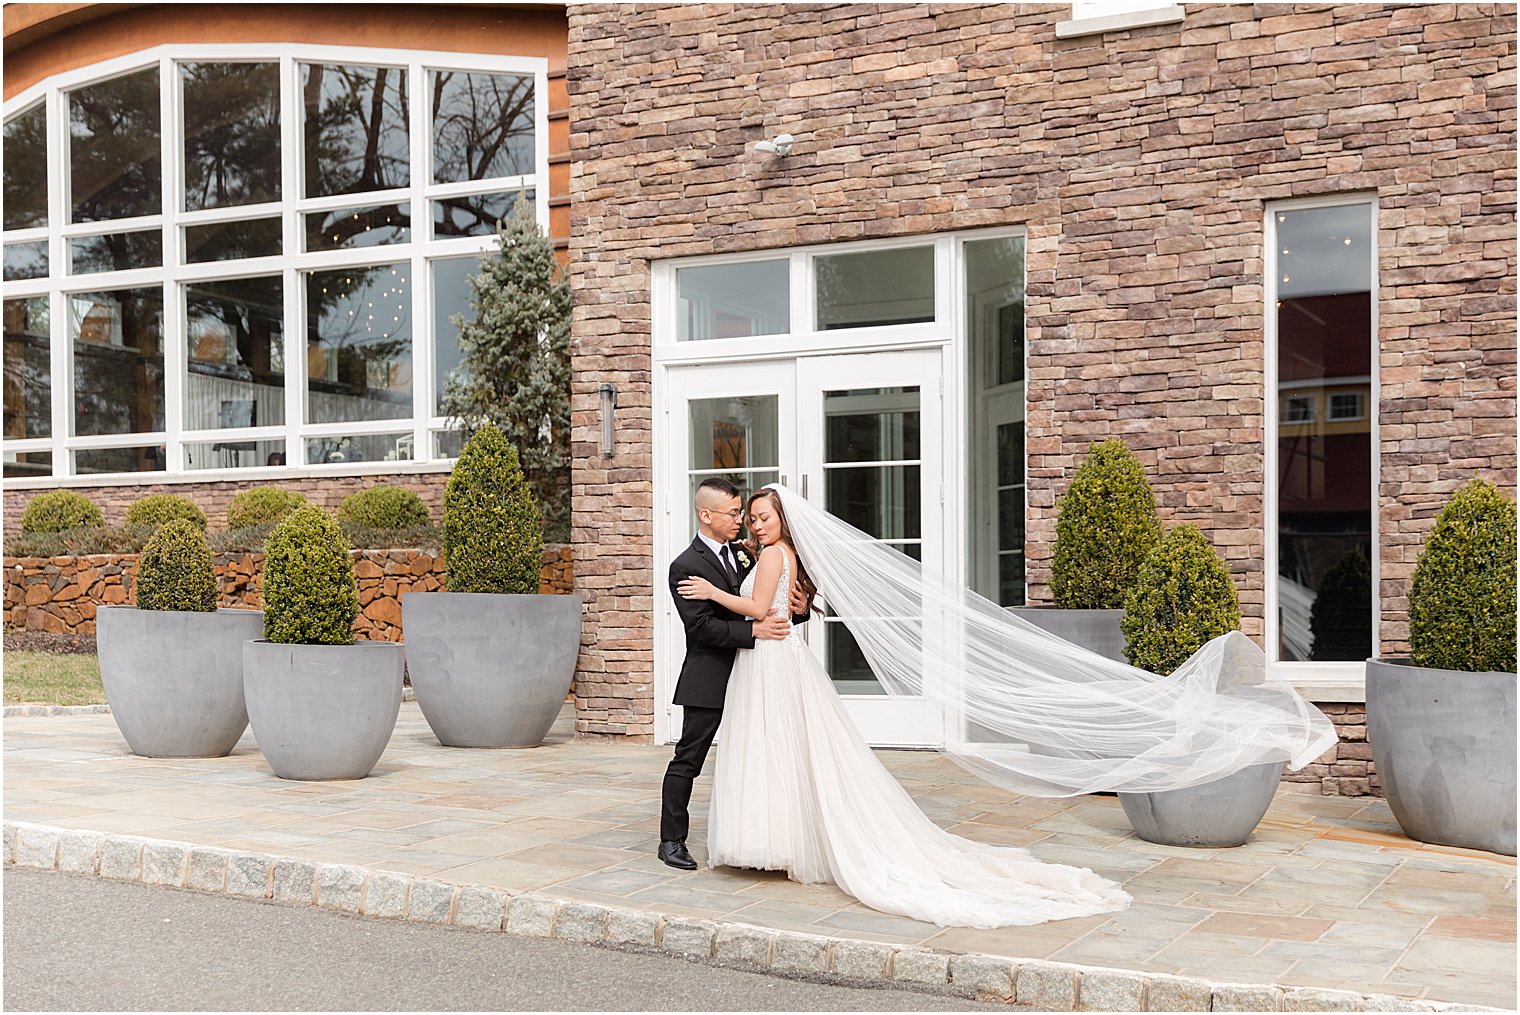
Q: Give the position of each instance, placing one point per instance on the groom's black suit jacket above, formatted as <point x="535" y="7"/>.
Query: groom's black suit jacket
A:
<point x="713" y="633"/>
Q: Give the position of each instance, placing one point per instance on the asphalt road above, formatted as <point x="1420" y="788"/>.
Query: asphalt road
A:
<point x="75" y="943"/>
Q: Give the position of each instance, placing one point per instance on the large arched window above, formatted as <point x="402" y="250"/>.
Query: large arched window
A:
<point x="233" y="257"/>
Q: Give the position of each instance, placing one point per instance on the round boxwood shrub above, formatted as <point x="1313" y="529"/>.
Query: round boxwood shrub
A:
<point x="492" y="538"/>
<point x="309" y="593"/>
<point x="1340" y="621"/>
<point x="156" y="509"/>
<point x="175" y="570"/>
<point x="1462" y="597"/>
<point x="262" y="505"/>
<point x="1105" y="526"/>
<point x="384" y="507"/>
<point x="1182" y="597"/>
<point x="59" y="511"/>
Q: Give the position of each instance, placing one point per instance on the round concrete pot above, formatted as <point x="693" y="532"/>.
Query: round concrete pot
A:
<point x="175" y="680"/>
<point x="322" y="712"/>
<point x="1219" y="813"/>
<point x="1443" y="743"/>
<point x="1096" y="630"/>
<point x="490" y="670"/>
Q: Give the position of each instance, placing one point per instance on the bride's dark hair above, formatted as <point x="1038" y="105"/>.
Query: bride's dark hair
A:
<point x="806" y="583"/>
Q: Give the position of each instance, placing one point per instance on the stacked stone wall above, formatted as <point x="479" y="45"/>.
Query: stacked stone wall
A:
<point x="60" y="594"/>
<point x="1140" y="163"/>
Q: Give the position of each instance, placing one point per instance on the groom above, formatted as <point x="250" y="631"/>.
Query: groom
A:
<point x="713" y="635"/>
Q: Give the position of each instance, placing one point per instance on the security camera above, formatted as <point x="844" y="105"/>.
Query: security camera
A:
<point x="781" y="145"/>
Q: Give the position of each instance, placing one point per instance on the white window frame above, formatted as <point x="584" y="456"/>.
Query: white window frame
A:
<point x="420" y="249"/>
<point x="1318" y="681"/>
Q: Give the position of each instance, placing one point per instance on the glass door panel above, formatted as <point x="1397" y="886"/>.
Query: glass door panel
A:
<point x="871" y="455"/>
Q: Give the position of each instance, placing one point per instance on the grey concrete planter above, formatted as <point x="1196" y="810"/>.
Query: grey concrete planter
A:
<point x="1097" y="630"/>
<point x="490" y="670"/>
<point x="323" y="712"/>
<point x="175" y="680"/>
<point x="1443" y="743"/>
<point x="1219" y="813"/>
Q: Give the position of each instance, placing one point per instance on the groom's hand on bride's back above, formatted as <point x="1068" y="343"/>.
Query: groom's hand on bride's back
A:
<point x="772" y="628"/>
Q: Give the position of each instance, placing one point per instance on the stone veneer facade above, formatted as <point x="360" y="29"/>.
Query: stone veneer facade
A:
<point x="1139" y="162"/>
<point x="60" y="594"/>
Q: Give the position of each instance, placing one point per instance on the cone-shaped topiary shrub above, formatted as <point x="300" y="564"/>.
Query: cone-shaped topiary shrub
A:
<point x="309" y="593"/>
<point x="1340" y="621"/>
<point x="492" y="540"/>
<point x="1462" y="597"/>
<point x="175" y="570"/>
<point x="156" y="509"/>
<point x="261" y="505"/>
<point x="1182" y="598"/>
<point x="384" y="507"/>
<point x="1105" y="526"/>
<point x="59" y="511"/>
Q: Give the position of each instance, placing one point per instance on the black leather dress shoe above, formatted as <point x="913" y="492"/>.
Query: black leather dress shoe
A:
<point x="674" y="854"/>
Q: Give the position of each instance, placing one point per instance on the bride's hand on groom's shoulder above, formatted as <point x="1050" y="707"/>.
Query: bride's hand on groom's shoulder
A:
<point x="695" y="588"/>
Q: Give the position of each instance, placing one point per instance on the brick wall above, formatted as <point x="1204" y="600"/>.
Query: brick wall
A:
<point x="327" y="491"/>
<point x="60" y="594"/>
<point x="1140" y="163"/>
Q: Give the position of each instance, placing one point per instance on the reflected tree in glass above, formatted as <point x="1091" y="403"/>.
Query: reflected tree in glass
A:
<point x="359" y="344"/>
<point x="356" y="131"/>
<point x="114" y="157"/>
<point x="232" y="134"/>
<point x="26" y="169"/>
<point x="118" y="361"/>
<point x="28" y="385"/>
<point x="482" y="126"/>
<point x="235" y="340"/>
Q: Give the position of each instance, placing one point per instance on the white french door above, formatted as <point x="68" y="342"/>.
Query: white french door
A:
<point x="860" y="435"/>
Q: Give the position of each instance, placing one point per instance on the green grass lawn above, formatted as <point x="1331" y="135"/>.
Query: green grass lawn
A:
<point x="52" y="678"/>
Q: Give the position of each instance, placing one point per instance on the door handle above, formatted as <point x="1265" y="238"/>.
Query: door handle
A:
<point x="804" y="485"/>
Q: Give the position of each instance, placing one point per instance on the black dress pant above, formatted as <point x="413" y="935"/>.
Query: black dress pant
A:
<point x="698" y="727"/>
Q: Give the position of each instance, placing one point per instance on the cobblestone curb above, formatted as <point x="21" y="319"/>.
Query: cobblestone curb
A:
<point x="1052" y="986"/>
<point x="27" y="711"/>
<point x="17" y="711"/>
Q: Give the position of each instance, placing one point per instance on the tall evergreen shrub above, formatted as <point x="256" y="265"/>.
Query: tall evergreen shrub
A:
<point x="175" y="571"/>
<point x="310" y="597"/>
<point x="1106" y="524"/>
<point x="1462" y="597"/>
<point x="1182" y="597"/>
<point x="492" y="541"/>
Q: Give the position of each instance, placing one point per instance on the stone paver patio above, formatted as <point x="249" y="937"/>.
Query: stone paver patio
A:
<point x="1327" y="893"/>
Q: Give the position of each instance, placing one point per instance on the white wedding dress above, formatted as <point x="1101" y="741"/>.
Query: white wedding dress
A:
<point x="796" y="789"/>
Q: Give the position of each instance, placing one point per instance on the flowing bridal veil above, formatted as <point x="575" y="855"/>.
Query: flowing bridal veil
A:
<point x="1036" y="714"/>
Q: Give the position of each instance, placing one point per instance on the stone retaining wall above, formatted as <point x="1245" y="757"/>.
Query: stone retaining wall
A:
<point x="60" y="594"/>
<point x="1345" y="769"/>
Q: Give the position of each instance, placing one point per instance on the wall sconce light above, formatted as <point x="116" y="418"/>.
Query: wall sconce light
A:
<point x="609" y="407"/>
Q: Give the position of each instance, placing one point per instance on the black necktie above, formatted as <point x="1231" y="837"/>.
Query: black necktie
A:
<point x="728" y="565"/>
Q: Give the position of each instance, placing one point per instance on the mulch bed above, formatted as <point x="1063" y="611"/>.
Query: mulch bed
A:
<point x="43" y="641"/>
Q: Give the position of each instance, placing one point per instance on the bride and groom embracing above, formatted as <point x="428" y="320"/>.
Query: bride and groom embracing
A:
<point x="796" y="787"/>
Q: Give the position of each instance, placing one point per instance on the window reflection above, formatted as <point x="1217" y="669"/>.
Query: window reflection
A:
<point x="356" y="129"/>
<point x="28" y="373"/>
<point x="875" y="288"/>
<point x="26" y="169"/>
<point x="345" y="228"/>
<point x="114" y="156"/>
<point x="22" y="464"/>
<point x="26" y="260"/>
<point x="451" y="297"/>
<point x="475" y="214"/>
<point x="482" y="126"/>
<point x="233" y="241"/>
<point x="231" y="133"/>
<point x="359" y="344"/>
<point x="734" y="300"/>
<point x="116" y="252"/>
<point x="118" y="361"/>
<point x="144" y="459"/>
<point x="1324" y="366"/>
<point x="362" y="448"/>
<point x="236" y="347"/>
<point x="234" y="454"/>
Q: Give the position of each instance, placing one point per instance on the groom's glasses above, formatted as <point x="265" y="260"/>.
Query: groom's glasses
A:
<point x="735" y="513"/>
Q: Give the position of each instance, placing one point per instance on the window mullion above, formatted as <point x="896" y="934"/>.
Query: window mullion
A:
<point x="291" y="187"/>
<point x="59" y="344"/>
<point x="422" y="278"/>
<point x="176" y="356"/>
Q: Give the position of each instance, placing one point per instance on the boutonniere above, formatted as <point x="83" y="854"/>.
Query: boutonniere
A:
<point x="743" y="558"/>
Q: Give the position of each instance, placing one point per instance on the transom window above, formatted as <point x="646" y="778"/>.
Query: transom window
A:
<point x="244" y="257"/>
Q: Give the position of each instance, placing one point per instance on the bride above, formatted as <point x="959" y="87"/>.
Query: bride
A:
<point x="797" y="789"/>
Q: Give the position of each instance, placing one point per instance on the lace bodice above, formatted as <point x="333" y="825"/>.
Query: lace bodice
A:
<point x="780" y="602"/>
